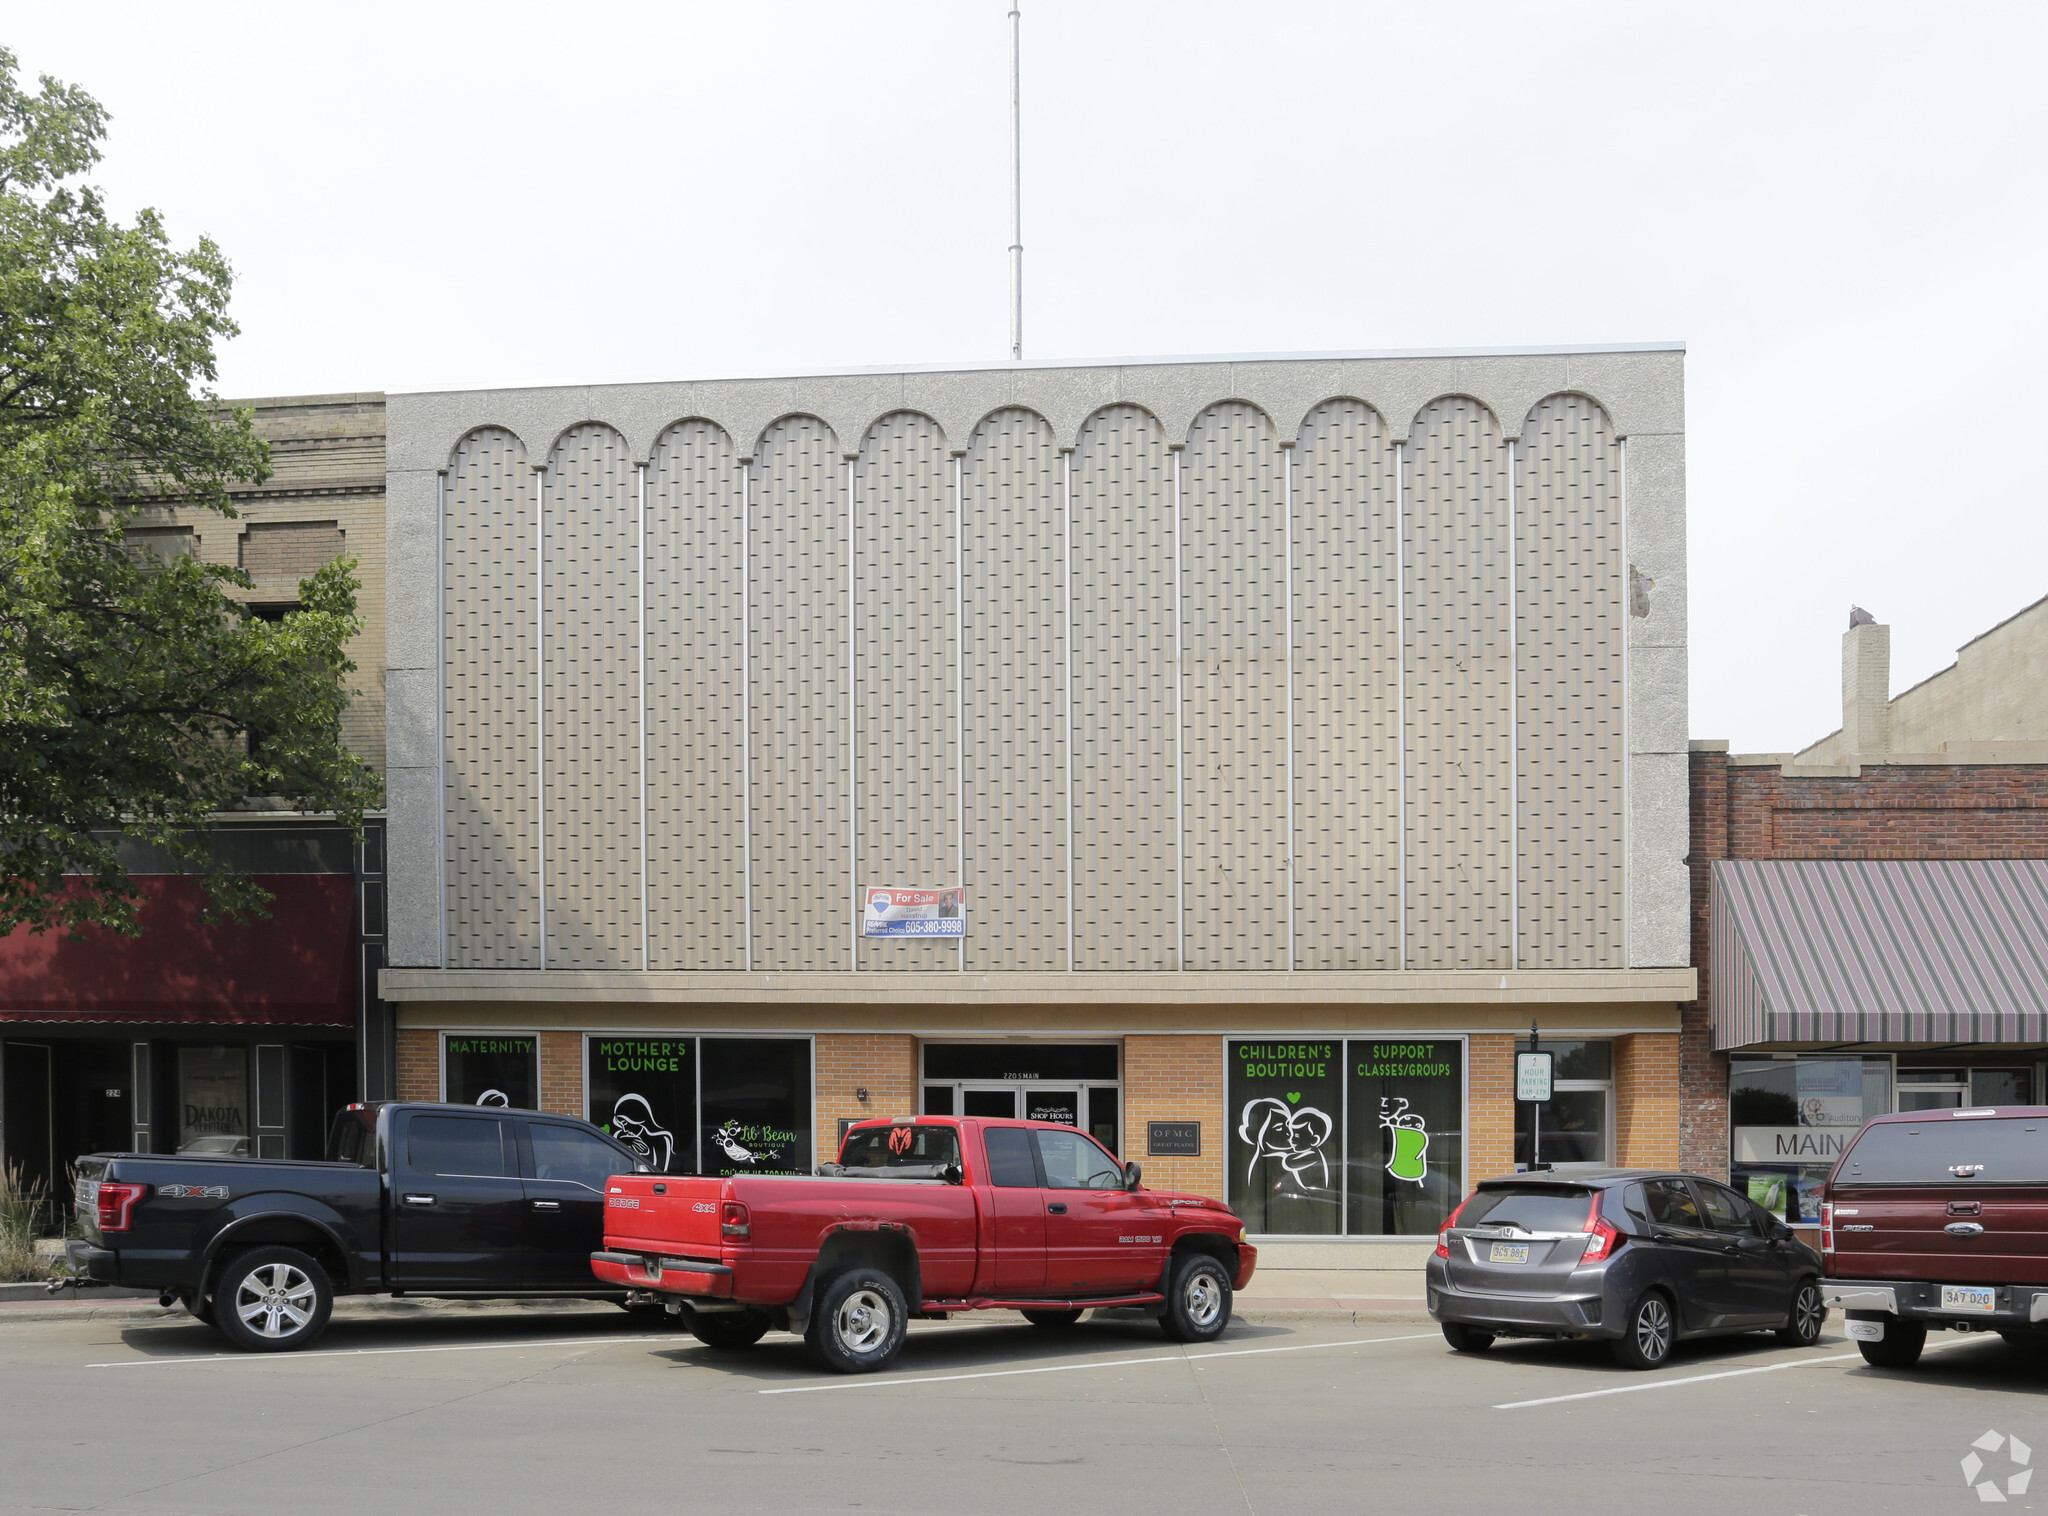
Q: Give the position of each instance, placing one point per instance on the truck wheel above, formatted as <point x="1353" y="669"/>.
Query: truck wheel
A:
<point x="271" y="1300"/>
<point x="1466" y="1339"/>
<point x="728" y="1331"/>
<point x="858" y="1323"/>
<point x="1809" y="1314"/>
<point x="1899" y="1348"/>
<point x="1052" y="1321"/>
<point x="1198" y="1300"/>
<point x="1648" y="1333"/>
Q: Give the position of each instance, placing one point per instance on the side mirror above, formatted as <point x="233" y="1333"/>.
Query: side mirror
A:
<point x="1132" y="1174"/>
<point x="952" y="1173"/>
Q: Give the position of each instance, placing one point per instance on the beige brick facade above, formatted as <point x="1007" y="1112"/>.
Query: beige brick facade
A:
<point x="1646" y="1099"/>
<point x="561" y="1073"/>
<point x="1176" y="1079"/>
<point x="882" y="1063"/>
<point x="1490" y="1106"/>
<point x="419" y="1064"/>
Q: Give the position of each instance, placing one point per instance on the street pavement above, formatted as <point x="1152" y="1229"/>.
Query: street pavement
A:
<point x="583" y="1409"/>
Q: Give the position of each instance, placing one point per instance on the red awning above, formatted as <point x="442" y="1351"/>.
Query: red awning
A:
<point x="295" y="969"/>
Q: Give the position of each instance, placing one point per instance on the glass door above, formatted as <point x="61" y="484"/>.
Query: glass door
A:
<point x="996" y="1100"/>
<point x="1053" y="1102"/>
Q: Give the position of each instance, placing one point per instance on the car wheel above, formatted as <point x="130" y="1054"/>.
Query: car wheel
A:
<point x="858" y="1323"/>
<point x="1052" y="1321"/>
<point x="1648" y="1333"/>
<point x="1808" y="1315"/>
<point x="1899" y="1348"/>
<point x="271" y="1300"/>
<point x="1466" y="1339"/>
<point x="728" y="1331"/>
<point x="1198" y="1300"/>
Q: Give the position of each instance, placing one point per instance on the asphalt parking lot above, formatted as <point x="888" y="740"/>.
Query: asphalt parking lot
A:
<point x="485" y="1411"/>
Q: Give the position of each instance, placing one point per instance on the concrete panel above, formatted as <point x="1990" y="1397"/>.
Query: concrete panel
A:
<point x="412" y="734"/>
<point x="412" y="529"/>
<point x="1510" y="387"/>
<point x="1643" y="392"/>
<point x="412" y="839"/>
<point x="1659" y="884"/>
<point x="1656" y="537"/>
<point x="1657" y="700"/>
<point x="1287" y="392"/>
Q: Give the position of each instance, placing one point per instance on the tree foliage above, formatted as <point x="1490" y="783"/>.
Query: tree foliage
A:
<point x="139" y="696"/>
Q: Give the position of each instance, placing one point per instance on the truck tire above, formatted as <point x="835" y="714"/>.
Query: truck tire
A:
<point x="1808" y="1314"/>
<point x="1197" y="1300"/>
<point x="1052" y="1321"/>
<point x="1899" y="1348"/>
<point x="1648" y="1333"/>
<point x="728" y="1331"/>
<point x="272" y="1300"/>
<point x="1467" y="1339"/>
<point x="858" y="1323"/>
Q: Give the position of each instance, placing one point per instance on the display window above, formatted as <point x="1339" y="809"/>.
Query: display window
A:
<point x="643" y="1091"/>
<point x="704" y="1105"/>
<point x="1073" y="1084"/>
<point x="1575" y="1126"/>
<point x="1333" y="1137"/>
<point x="495" y="1068"/>
<point x="1790" y="1118"/>
<point x="213" y="1101"/>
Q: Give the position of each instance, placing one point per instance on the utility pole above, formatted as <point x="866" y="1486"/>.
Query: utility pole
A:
<point x="1016" y="199"/>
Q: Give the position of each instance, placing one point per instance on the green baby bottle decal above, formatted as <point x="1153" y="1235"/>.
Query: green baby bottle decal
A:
<point x="1411" y="1140"/>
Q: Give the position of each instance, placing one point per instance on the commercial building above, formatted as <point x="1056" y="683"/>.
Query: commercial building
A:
<point x="1231" y="757"/>
<point x="229" y="1036"/>
<point x="1871" y="915"/>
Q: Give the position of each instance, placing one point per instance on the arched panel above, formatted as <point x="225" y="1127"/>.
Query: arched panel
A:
<point x="798" y="614"/>
<point x="1125" y="780"/>
<point x="1234" y="682"/>
<point x="490" y="621"/>
<point x="696" y="738"/>
<point x="1347" y="681"/>
<point x="1460" y="706"/>
<point x="1014" y="584"/>
<point x="905" y="633"/>
<point x="590" y="716"/>
<point x="1571" y="624"/>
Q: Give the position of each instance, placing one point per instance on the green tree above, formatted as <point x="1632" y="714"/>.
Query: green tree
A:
<point x="131" y="682"/>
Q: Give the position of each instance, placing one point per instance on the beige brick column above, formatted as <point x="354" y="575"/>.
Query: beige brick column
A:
<point x="1646" y="1101"/>
<point x="1176" y="1079"/>
<point x="561" y="1073"/>
<point x="419" y="1063"/>
<point x="883" y="1063"/>
<point x="1490" y="1122"/>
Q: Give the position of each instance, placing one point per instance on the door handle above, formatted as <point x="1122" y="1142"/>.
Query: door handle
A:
<point x="1058" y="1208"/>
<point x="547" y="1205"/>
<point x="419" y="1199"/>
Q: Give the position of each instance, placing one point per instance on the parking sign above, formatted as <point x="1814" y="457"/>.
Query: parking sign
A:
<point x="1532" y="1076"/>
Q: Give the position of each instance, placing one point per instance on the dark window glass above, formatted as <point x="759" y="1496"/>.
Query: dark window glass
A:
<point x="1063" y="1106"/>
<point x="1671" y="1203"/>
<point x="1406" y="1140"/>
<point x="2001" y="1086"/>
<point x="901" y="1147"/>
<point x="1552" y="1208"/>
<point x="938" y="1100"/>
<point x="2004" y="1151"/>
<point x="1573" y="1128"/>
<point x="1102" y="1117"/>
<point x="643" y="1091"/>
<point x="1019" y="1060"/>
<point x="456" y="1145"/>
<point x="562" y="1152"/>
<point x="756" y="1117"/>
<point x="1726" y="1211"/>
<point x="501" y="1071"/>
<point x="1009" y="1158"/>
<point x="1575" y="1060"/>
<point x="1286" y="1102"/>
<point x="354" y="1139"/>
<point x="999" y="1103"/>
<point x="1072" y="1162"/>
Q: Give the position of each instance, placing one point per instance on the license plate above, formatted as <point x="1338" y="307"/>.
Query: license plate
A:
<point x="1508" y="1252"/>
<point x="1956" y="1297"/>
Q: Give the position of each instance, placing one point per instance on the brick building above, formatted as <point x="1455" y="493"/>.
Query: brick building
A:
<point x="1870" y="915"/>
<point x="1299" y="730"/>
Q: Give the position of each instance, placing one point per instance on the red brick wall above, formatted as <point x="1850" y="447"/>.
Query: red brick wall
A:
<point x="1176" y="1079"/>
<point x="1938" y="811"/>
<point x="884" y="1063"/>
<point x="419" y="1064"/>
<point x="561" y="1073"/>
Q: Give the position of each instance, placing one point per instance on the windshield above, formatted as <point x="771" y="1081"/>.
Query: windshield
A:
<point x="1550" y="1208"/>
<point x="882" y="1149"/>
<point x="2009" y="1150"/>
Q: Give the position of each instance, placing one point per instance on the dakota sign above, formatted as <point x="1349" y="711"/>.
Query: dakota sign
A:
<point x="893" y="912"/>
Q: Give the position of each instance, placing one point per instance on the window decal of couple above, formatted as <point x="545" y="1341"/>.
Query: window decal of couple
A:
<point x="1296" y="1135"/>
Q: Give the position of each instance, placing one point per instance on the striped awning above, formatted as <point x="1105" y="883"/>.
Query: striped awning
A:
<point x="1880" y="952"/>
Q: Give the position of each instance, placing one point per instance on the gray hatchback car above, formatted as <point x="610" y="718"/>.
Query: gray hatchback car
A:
<point x="1639" y="1257"/>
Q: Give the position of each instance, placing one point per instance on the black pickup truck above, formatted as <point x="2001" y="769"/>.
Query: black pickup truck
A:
<point x="431" y="1200"/>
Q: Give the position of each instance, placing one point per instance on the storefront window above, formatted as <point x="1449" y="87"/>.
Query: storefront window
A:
<point x="643" y="1090"/>
<point x="1576" y="1125"/>
<point x="1789" y="1120"/>
<point x="754" y="1095"/>
<point x="492" y="1070"/>
<point x="213" y="1100"/>
<point x="1329" y="1138"/>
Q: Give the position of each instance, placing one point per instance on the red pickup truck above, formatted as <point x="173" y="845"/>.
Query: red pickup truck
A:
<point x="923" y="1216"/>
<point x="1939" y="1219"/>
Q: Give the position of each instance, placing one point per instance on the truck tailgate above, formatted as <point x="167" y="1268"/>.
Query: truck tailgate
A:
<point x="656" y="1213"/>
<point x="1999" y="1236"/>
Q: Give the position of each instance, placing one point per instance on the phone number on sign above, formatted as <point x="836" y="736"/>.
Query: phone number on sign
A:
<point x="948" y="927"/>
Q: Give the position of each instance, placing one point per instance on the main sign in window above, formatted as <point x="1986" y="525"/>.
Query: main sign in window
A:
<point x="1331" y="1137"/>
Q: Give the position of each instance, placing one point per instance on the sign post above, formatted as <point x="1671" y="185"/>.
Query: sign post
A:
<point x="1532" y="1083"/>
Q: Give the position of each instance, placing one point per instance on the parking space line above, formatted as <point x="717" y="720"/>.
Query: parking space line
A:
<point x="1102" y="1363"/>
<point x="456" y="1347"/>
<point x="1667" y="1384"/>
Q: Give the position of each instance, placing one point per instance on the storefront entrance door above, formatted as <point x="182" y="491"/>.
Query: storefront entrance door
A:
<point x="1000" y="1102"/>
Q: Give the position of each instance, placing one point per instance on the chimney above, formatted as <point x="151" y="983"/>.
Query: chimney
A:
<point x="1866" y="689"/>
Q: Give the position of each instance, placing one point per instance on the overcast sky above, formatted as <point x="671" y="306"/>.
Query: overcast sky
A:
<point x="1842" y="210"/>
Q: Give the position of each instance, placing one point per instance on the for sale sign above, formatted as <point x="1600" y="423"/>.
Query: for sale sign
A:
<point x="894" y="912"/>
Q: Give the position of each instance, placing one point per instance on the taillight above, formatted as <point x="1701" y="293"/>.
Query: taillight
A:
<point x="1603" y="1235"/>
<point x="1443" y="1235"/>
<point x="734" y="1222"/>
<point x="115" y="1202"/>
<point x="1827" y="1226"/>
